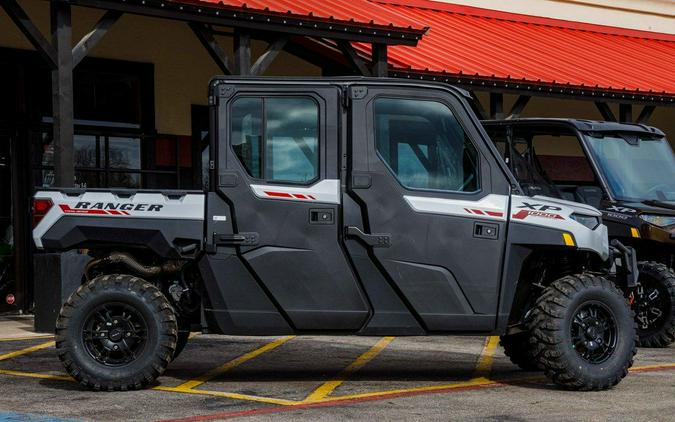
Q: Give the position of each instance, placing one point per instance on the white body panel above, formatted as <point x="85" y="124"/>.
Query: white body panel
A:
<point x="492" y="207"/>
<point x="109" y="205"/>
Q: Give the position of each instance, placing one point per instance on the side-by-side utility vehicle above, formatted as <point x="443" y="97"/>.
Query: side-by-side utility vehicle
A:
<point x="340" y="206"/>
<point x="625" y="170"/>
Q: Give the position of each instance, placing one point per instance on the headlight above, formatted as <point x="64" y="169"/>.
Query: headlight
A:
<point x="587" y="220"/>
<point x="658" y="220"/>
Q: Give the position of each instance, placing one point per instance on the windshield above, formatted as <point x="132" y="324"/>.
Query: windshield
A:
<point x="635" y="171"/>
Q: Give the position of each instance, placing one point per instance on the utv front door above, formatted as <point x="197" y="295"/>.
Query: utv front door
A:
<point x="434" y="204"/>
<point x="278" y="168"/>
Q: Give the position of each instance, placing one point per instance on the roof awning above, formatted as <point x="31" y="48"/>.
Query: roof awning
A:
<point x="356" y="20"/>
<point x="477" y="47"/>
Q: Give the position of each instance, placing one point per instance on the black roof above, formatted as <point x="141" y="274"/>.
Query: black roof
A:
<point x="582" y="125"/>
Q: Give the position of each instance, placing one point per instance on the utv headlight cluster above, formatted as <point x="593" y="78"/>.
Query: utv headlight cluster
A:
<point x="662" y="221"/>
<point x="589" y="221"/>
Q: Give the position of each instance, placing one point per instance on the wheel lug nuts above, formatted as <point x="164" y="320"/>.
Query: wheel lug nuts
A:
<point x="115" y="347"/>
<point x="128" y="334"/>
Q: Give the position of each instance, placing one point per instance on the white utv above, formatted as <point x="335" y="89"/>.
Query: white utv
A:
<point x="340" y="206"/>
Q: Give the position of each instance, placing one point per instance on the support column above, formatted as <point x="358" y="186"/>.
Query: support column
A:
<point x="625" y="113"/>
<point x="62" y="94"/>
<point x="242" y="53"/>
<point x="496" y="105"/>
<point x="380" y="66"/>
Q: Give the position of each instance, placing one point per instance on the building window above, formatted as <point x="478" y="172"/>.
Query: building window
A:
<point x="276" y="138"/>
<point x="135" y="162"/>
<point x="424" y="145"/>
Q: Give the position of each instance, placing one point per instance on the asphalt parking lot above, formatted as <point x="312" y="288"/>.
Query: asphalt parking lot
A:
<point x="326" y="378"/>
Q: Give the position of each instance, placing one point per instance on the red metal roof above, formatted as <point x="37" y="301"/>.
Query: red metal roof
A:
<point x="480" y="43"/>
<point x="357" y="12"/>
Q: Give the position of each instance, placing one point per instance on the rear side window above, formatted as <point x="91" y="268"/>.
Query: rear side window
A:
<point x="276" y="139"/>
<point x="424" y="145"/>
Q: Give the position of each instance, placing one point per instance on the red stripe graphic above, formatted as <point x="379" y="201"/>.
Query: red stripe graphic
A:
<point x="67" y="210"/>
<point x="289" y="195"/>
<point x="482" y="212"/>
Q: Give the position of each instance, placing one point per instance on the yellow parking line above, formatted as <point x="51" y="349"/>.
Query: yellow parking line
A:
<point x="484" y="365"/>
<point x="36" y="375"/>
<point x="325" y="389"/>
<point x="193" y="334"/>
<point x="26" y="350"/>
<point x="25" y="338"/>
<point x="233" y="363"/>
<point x="235" y="396"/>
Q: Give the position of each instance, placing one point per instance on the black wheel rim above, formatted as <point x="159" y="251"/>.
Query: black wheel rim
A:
<point x="594" y="332"/>
<point x="114" y="334"/>
<point x="651" y="305"/>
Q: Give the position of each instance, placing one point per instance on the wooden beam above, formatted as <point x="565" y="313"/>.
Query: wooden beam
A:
<point x="30" y="31"/>
<point x="265" y="59"/>
<point x="625" y="113"/>
<point x="62" y="94"/>
<point x="496" y="105"/>
<point x="89" y="41"/>
<point x="519" y="106"/>
<point x="478" y="107"/>
<point x="380" y="65"/>
<point x="208" y="41"/>
<point x="242" y="52"/>
<point x="353" y="58"/>
<point x="605" y="111"/>
<point x="646" y="114"/>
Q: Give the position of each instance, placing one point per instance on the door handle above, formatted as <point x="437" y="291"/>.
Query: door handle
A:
<point x="379" y="240"/>
<point x="486" y="230"/>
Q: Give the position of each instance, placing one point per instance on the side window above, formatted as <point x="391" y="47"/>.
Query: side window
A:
<point x="424" y="145"/>
<point x="277" y="138"/>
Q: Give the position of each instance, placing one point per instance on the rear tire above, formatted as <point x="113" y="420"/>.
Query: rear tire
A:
<point x="655" y="306"/>
<point x="583" y="333"/>
<point x="116" y="332"/>
<point x="518" y="349"/>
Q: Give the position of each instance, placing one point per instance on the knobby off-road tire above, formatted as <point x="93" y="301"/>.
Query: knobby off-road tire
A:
<point x="116" y="332"/>
<point x="655" y="307"/>
<point x="518" y="349"/>
<point x="583" y="333"/>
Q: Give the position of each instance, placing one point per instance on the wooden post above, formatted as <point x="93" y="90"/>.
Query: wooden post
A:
<point x="62" y="94"/>
<point x="242" y="53"/>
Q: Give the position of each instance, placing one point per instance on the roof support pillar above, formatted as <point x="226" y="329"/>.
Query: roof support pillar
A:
<point x="380" y="66"/>
<point x="30" y="31"/>
<point x="62" y="94"/>
<point x="646" y="114"/>
<point x="242" y="52"/>
<point x="211" y="45"/>
<point x="89" y="41"/>
<point x="519" y="106"/>
<point x="625" y="113"/>
<point x="273" y="50"/>
<point x="496" y="105"/>
<point x="478" y="106"/>
<point x="353" y="58"/>
<point x="605" y="112"/>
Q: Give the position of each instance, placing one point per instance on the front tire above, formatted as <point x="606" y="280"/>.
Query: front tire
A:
<point x="583" y="333"/>
<point x="654" y="305"/>
<point x="116" y="332"/>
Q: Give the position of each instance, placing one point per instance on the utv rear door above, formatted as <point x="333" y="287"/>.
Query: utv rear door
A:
<point x="278" y="173"/>
<point x="434" y="204"/>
